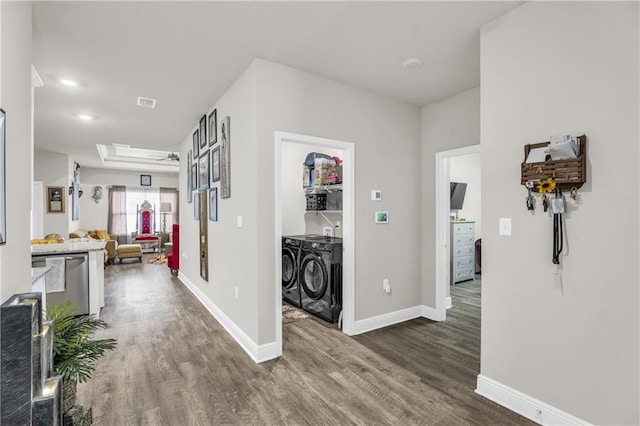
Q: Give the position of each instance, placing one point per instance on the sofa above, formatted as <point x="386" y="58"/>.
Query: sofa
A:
<point x="99" y="234"/>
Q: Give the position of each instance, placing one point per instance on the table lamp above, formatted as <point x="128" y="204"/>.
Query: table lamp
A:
<point x="164" y="209"/>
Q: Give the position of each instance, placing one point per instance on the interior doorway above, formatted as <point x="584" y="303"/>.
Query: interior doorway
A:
<point x="443" y="224"/>
<point x="347" y="223"/>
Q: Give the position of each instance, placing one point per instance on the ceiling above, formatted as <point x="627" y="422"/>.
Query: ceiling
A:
<point x="186" y="54"/>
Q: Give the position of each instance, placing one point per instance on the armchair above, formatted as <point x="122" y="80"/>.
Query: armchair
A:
<point x="145" y="234"/>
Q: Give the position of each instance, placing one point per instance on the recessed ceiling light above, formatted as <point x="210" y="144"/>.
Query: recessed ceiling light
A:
<point x="67" y="82"/>
<point x="412" y="63"/>
<point x="85" y="117"/>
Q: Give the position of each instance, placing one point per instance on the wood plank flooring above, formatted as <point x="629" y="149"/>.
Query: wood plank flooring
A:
<point x="175" y="365"/>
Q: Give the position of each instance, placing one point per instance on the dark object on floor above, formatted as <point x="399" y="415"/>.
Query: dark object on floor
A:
<point x="292" y="314"/>
<point x="78" y="415"/>
<point x="478" y="255"/>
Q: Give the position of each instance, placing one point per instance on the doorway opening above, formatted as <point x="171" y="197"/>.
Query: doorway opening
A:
<point x="468" y="160"/>
<point x="284" y="142"/>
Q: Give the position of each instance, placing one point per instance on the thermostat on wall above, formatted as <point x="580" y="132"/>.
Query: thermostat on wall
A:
<point x="382" y="217"/>
<point x="376" y="195"/>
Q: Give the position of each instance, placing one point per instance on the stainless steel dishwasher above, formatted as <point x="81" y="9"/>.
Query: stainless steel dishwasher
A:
<point x="76" y="279"/>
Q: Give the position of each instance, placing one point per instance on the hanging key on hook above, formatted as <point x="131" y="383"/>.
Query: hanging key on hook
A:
<point x="545" y="203"/>
<point x="574" y="193"/>
<point x="530" y="201"/>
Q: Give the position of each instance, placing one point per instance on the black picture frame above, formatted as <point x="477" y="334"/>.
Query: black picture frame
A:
<point x="145" y="180"/>
<point x="55" y="199"/>
<point x="215" y="164"/>
<point x="3" y="178"/>
<point x="203" y="133"/>
<point x="203" y="171"/>
<point x="213" y="127"/>
<point x="196" y="205"/>
<point x="194" y="177"/>
<point x="213" y="204"/>
<point x="196" y="144"/>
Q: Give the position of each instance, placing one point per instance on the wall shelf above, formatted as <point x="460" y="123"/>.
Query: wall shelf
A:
<point x="566" y="173"/>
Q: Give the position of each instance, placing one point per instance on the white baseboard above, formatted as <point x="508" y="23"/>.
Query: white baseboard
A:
<point x="447" y="303"/>
<point x="430" y="313"/>
<point x="523" y="404"/>
<point x="384" y="320"/>
<point x="258" y="353"/>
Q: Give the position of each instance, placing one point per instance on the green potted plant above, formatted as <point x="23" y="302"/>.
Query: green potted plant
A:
<point x="74" y="352"/>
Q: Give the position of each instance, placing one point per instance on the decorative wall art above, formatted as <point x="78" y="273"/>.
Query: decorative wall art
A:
<point x="213" y="127"/>
<point x="55" y="199"/>
<point x="96" y="194"/>
<point x="3" y="177"/>
<point x="75" y="201"/>
<point x="196" y="205"/>
<point x="204" y="245"/>
<point x="215" y="164"/>
<point x="203" y="171"/>
<point x="194" y="177"/>
<point x="196" y="144"/>
<point x="213" y="204"/>
<point x="225" y="158"/>
<point x="145" y="180"/>
<point x="203" y="133"/>
<point x="189" y="178"/>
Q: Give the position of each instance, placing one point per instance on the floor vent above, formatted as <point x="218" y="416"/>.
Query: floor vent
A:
<point x="146" y="102"/>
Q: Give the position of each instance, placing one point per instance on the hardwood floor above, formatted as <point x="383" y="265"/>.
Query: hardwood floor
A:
<point x="175" y="365"/>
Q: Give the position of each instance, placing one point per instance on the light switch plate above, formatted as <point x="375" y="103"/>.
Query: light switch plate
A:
<point x="239" y="221"/>
<point x="505" y="226"/>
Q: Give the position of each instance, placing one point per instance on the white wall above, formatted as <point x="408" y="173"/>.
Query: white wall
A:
<point x="466" y="168"/>
<point x="52" y="169"/>
<point x="449" y="124"/>
<point x="550" y="68"/>
<point x="232" y="250"/>
<point x="295" y="219"/>
<point x="15" y="99"/>
<point x="95" y="215"/>
<point x="386" y="135"/>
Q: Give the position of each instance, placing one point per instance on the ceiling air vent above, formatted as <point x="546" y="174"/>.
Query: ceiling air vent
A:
<point x="146" y="102"/>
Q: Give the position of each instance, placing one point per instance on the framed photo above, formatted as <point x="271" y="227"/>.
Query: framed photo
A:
<point x="189" y="157"/>
<point x="196" y="144"/>
<point x="213" y="204"/>
<point x="203" y="133"/>
<point x="225" y="158"/>
<point x="145" y="180"/>
<point x="203" y="171"/>
<point x="215" y="164"/>
<point x="75" y="201"/>
<point x="194" y="177"/>
<point x="3" y="177"/>
<point x="213" y="127"/>
<point x="55" y="199"/>
<point x="196" y="205"/>
<point x="189" y="190"/>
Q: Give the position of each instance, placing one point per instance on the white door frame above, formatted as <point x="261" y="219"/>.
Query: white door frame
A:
<point x="348" y="223"/>
<point x="443" y="193"/>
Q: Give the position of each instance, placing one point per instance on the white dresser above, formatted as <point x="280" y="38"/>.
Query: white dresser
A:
<point x="463" y="253"/>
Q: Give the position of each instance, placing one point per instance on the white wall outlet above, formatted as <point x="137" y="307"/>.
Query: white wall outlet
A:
<point x="236" y="291"/>
<point x="376" y="195"/>
<point x="505" y="226"/>
<point x="239" y="221"/>
<point x="386" y="286"/>
<point x="184" y="255"/>
<point x="327" y="231"/>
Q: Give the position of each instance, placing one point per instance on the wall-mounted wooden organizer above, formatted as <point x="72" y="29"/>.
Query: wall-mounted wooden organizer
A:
<point x="566" y="173"/>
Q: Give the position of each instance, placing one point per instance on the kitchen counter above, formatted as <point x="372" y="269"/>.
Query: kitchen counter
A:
<point x="95" y="251"/>
<point x="68" y="247"/>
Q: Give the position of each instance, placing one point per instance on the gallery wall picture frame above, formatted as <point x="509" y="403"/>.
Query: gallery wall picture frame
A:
<point x="213" y="204"/>
<point x="225" y="158"/>
<point x="203" y="133"/>
<point x="194" y="177"/>
<point x="3" y="179"/>
<point x="196" y="205"/>
<point x="189" y="190"/>
<point x="145" y="180"/>
<point x="215" y="164"/>
<point x="213" y="127"/>
<point x="203" y="171"/>
<point x="196" y="144"/>
<point x="55" y="199"/>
